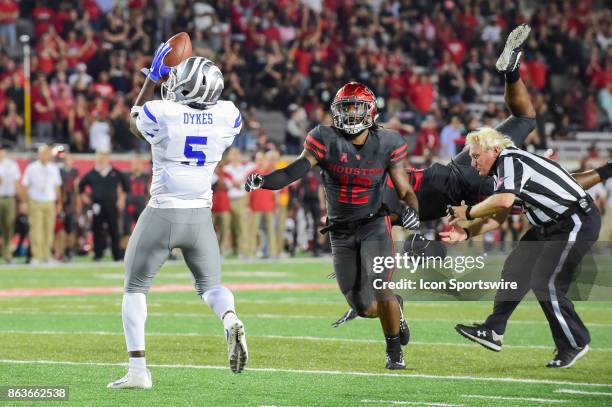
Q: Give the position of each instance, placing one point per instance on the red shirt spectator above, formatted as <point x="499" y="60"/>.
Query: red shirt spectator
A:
<point x="428" y="138"/>
<point x="73" y="50"/>
<point x="302" y="59"/>
<point x="538" y="73"/>
<point x="89" y="46"/>
<point x="457" y="50"/>
<point x="396" y="85"/>
<point x="220" y="200"/>
<point x="602" y="78"/>
<point x="91" y="7"/>
<point x="589" y="113"/>
<point x="60" y="19"/>
<point x="47" y="54"/>
<point x="3" y="100"/>
<point x="422" y="94"/>
<point x="42" y="104"/>
<point x="102" y="87"/>
<point x="9" y="11"/>
<point x="43" y="18"/>
<point x="262" y="200"/>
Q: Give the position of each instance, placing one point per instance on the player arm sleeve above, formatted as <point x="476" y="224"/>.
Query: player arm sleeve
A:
<point x="398" y="153"/>
<point x="604" y="171"/>
<point x="281" y="178"/>
<point x="234" y="125"/>
<point x="315" y="146"/>
<point x="510" y="176"/>
<point x="148" y="122"/>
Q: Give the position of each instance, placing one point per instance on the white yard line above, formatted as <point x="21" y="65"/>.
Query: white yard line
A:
<point x="292" y="337"/>
<point x="412" y="403"/>
<point x="161" y="314"/>
<point x="321" y="372"/>
<point x="534" y="399"/>
<point x="586" y="393"/>
<point x="38" y="311"/>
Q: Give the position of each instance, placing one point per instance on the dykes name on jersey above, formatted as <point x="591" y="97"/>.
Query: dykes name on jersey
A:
<point x="197" y="118"/>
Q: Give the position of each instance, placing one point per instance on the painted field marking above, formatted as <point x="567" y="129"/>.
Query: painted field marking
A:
<point x="320" y="372"/>
<point x="412" y="403"/>
<point x="187" y="274"/>
<point x="586" y="393"/>
<point x="534" y="399"/>
<point x="165" y="288"/>
<point x="169" y="263"/>
<point x="39" y="311"/>
<point x="292" y="337"/>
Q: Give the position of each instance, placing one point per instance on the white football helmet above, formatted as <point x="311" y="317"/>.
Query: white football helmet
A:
<point x="195" y="80"/>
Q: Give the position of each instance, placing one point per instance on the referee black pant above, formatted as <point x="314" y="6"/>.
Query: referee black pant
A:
<point x="108" y="215"/>
<point x="545" y="261"/>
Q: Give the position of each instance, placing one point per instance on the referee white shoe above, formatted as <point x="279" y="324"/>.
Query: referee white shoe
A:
<point x="509" y="60"/>
<point x="134" y="379"/>
<point x="482" y="335"/>
<point x="237" y="351"/>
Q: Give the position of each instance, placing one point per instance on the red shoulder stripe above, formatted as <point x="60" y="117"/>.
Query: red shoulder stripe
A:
<point x="399" y="157"/>
<point x="312" y="140"/>
<point x="312" y="149"/>
<point x="397" y="150"/>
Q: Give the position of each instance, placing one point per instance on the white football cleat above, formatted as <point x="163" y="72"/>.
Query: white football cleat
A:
<point x="134" y="379"/>
<point x="510" y="57"/>
<point x="236" y="345"/>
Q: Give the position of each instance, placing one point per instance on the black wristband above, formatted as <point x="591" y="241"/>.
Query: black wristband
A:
<point x="467" y="232"/>
<point x="513" y="76"/>
<point x="605" y="171"/>
<point x="467" y="213"/>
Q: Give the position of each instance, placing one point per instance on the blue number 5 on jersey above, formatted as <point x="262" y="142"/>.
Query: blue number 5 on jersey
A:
<point x="200" y="156"/>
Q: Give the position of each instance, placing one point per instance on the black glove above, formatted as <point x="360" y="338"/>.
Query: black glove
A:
<point x="410" y="219"/>
<point x="253" y="182"/>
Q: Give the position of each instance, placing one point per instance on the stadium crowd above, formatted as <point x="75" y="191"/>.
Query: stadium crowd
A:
<point x="431" y="64"/>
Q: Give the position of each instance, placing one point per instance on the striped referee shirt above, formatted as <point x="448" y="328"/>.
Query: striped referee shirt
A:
<point x="546" y="189"/>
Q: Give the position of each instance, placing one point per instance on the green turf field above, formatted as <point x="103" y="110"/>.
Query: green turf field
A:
<point x="296" y="358"/>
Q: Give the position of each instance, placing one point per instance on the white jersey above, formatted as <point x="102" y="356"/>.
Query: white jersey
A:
<point x="186" y="145"/>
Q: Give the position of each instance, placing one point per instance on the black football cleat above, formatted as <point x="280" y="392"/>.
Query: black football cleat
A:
<point x="482" y="335"/>
<point x="509" y="60"/>
<point x="566" y="358"/>
<point x="395" y="361"/>
<point x="404" y="332"/>
<point x="348" y="316"/>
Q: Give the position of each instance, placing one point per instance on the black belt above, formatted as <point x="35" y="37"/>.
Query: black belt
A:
<point x="352" y="226"/>
<point x="584" y="206"/>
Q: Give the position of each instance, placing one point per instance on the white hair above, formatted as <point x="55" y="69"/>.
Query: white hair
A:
<point x="488" y="138"/>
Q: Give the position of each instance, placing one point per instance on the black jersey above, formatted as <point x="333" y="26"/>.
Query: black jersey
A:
<point x="441" y="185"/>
<point x="354" y="176"/>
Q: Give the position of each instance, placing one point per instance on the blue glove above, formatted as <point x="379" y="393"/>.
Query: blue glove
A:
<point x="158" y="69"/>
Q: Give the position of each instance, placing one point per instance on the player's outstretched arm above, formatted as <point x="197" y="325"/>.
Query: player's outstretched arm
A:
<point x="157" y="70"/>
<point x="410" y="214"/>
<point x="589" y="179"/>
<point x="281" y="178"/>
